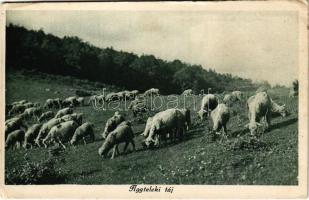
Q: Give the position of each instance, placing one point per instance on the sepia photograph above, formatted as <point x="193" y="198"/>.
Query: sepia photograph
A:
<point x="152" y="96"/>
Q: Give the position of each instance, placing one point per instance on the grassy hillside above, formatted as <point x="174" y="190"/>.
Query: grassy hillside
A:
<point x="272" y="160"/>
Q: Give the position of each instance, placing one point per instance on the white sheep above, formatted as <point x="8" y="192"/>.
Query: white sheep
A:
<point x="147" y="127"/>
<point x="122" y="133"/>
<point x="46" y="116"/>
<point x="46" y="128"/>
<point x="77" y="117"/>
<point x="60" y="133"/>
<point x="31" y="135"/>
<point x="14" y="138"/>
<point x="86" y="129"/>
<point x="209" y="103"/>
<point x="163" y="123"/>
<point x="112" y="123"/>
<point x="63" y="112"/>
<point x="259" y="107"/>
<point x="152" y="92"/>
<point x="220" y="116"/>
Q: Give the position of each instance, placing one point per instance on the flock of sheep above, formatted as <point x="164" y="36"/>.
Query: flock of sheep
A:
<point x="65" y="126"/>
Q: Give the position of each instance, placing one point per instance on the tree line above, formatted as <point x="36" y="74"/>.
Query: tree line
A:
<point x="34" y="49"/>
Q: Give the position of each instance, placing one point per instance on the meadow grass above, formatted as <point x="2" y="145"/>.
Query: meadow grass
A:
<point x="272" y="160"/>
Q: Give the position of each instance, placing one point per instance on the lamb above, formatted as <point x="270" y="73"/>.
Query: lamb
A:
<point x="31" y="134"/>
<point x="63" y="112"/>
<point x="220" y="116"/>
<point x="14" y="138"/>
<point x="46" y="116"/>
<point x="121" y="134"/>
<point x="60" y="133"/>
<point x="209" y="103"/>
<point x="46" y="128"/>
<point x="112" y="123"/>
<point x="82" y="132"/>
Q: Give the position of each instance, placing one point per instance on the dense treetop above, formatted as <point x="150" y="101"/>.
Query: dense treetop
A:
<point x="31" y="49"/>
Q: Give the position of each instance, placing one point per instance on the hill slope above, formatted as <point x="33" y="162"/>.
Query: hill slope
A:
<point x="272" y="160"/>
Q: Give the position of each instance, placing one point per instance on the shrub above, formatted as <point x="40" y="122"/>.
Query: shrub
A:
<point x="31" y="172"/>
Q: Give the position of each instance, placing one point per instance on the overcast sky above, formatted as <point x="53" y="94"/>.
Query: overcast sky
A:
<point x="256" y="45"/>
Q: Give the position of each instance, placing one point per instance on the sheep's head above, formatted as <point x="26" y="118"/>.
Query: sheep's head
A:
<point x="282" y="110"/>
<point x="253" y="127"/>
<point x="107" y="145"/>
<point x="202" y="114"/>
<point x="108" y="128"/>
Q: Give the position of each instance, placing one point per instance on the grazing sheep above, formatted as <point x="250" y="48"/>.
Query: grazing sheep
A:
<point x="60" y="133"/>
<point x="220" y="116"/>
<point x="112" y="123"/>
<point x="70" y="101"/>
<point x="18" y="108"/>
<point x="32" y="112"/>
<point x="19" y="102"/>
<point x="147" y="127"/>
<point x="81" y="101"/>
<point x="163" y="123"/>
<point x="77" y="117"/>
<point x="29" y="105"/>
<point x="111" y="97"/>
<point x="92" y="99"/>
<point x="63" y="112"/>
<point x="238" y="95"/>
<point x="138" y="108"/>
<point x="228" y="98"/>
<point x="46" y="128"/>
<point x="152" y="92"/>
<point x="134" y="93"/>
<point x="14" y="138"/>
<point x="46" y="116"/>
<point x="186" y="117"/>
<point x="209" y="103"/>
<point x="53" y="103"/>
<point x="187" y="92"/>
<point x="13" y="124"/>
<point x="121" y="134"/>
<point x="259" y="107"/>
<point x="275" y="108"/>
<point x="31" y="135"/>
<point x="86" y="129"/>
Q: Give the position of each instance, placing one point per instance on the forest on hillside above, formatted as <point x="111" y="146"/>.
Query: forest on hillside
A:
<point x="36" y="50"/>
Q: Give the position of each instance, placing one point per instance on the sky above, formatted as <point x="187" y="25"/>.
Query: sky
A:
<point x="259" y="45"/>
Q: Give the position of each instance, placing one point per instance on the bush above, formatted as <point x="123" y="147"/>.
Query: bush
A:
<point x="42" y="172"/>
